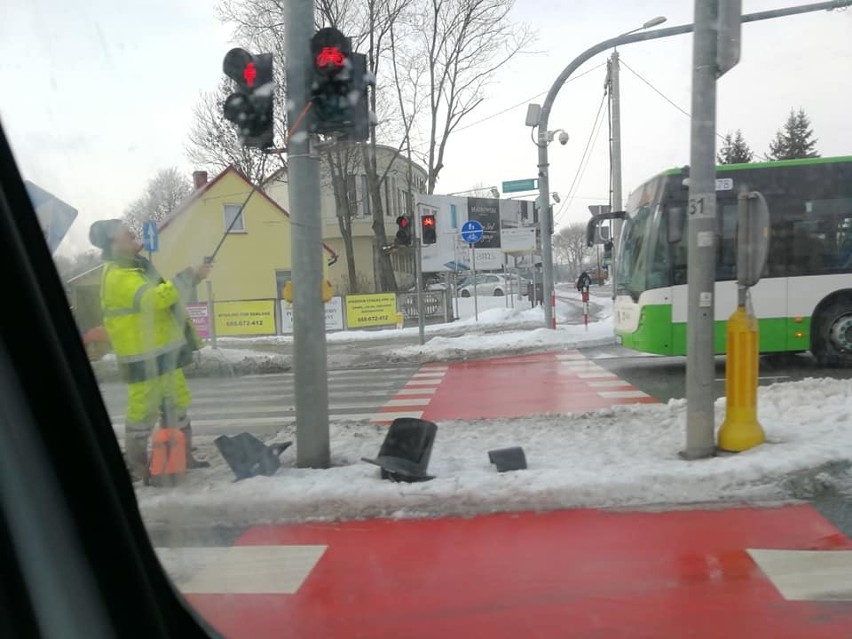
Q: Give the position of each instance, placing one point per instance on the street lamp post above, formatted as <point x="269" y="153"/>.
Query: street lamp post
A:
<point x="547" y="105"/>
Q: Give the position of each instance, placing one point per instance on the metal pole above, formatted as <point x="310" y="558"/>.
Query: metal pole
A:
<point x="475" y="293"/>
<point x="617" y="200"/>
<point x="418" y="275"/>
<point x="701" y="252"/>
<point x="547" y="105"/>
<point x="309" y="348"/>
<point x="211" y="323"/>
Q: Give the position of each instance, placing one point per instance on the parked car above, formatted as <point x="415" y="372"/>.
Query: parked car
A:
<point x="493" y="284"/>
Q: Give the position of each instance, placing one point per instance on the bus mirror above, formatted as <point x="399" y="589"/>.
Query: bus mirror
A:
<point x="593" y="236"/>
<point x="676" y="219"/>
<point x="752" y="237"/>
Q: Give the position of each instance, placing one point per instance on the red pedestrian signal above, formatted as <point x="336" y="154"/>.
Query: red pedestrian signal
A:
<point x="403" y="233"/>
<point x="249" y="74"/>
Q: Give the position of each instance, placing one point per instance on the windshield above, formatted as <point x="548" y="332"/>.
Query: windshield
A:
<point x="631" y="276"/>
<point x="360" y="390"/>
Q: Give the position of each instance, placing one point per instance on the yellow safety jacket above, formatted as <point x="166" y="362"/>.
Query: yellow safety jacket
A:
<point x="146" y="320"/>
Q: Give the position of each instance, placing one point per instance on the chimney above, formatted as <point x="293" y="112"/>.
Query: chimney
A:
<point x="199" y="179"/>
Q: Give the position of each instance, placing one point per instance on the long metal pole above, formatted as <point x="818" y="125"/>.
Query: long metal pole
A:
<point x="701" y="252"/>
<point x="617" y="200"/>
<point x="418" y="276"/>
<point x="309" y="348"/>
<point x="475" y="292"/>
<point x="547" y="105"/>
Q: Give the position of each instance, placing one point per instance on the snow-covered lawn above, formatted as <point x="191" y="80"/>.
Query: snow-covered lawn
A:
<point x="626" y="456"/>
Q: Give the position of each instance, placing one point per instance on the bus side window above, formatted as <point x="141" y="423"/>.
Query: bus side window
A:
<point x="726" y="242"/>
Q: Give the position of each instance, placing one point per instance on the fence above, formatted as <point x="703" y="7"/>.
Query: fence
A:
<point x="266" y="317"/>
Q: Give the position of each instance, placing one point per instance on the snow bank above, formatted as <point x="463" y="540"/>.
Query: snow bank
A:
<point x="627" y="456"/>
<point x="210" y="362"/>
<point x="507" y="343"/>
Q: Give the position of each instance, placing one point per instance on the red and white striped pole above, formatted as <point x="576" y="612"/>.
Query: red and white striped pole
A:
<point x="585" y="294"/>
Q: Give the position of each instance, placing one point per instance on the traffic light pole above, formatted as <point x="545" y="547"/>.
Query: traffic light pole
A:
<point x="309" y="347"/>
<point x="418" y="269"/>
<point x="701" y="252"/>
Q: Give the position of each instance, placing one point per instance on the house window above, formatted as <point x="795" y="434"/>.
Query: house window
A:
<point x="365" y="195"/>
<point x="388" y="207"/>
<point x="234" y="224"/>
<point x="454" y="217"/>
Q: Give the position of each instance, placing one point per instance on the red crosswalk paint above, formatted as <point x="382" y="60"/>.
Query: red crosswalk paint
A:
<point x="580" y="573"/>
<point x="566" y="382"/>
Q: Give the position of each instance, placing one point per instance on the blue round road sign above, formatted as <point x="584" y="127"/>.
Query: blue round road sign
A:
<point x="471" y="231"/>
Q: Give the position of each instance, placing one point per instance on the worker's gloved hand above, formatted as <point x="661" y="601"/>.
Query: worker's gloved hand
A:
<point x="202" y="271"/>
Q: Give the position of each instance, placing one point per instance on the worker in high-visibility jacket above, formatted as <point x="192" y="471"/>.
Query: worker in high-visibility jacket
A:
<point x="152" y="337"/>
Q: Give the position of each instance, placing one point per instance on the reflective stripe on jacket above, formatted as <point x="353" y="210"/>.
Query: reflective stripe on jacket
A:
<point x="140" y="317"/>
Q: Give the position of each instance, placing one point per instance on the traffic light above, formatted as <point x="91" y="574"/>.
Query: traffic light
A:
<point x="338" y="87"/>
<point x="250" y="108"/>
<point x="429" y="229"/>
<point x="403" y="233"/>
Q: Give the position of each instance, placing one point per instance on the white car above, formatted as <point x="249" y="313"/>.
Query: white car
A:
<point x="492" y="284"/>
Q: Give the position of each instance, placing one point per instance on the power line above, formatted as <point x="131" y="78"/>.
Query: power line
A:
<point x="586" y="165"/>
<point x="580" y="166"/>
<point x="663" y="95"/>
<point x="527" y="101"/>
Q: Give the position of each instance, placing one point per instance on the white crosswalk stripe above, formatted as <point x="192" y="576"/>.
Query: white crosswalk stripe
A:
<point x="263" y="403"/>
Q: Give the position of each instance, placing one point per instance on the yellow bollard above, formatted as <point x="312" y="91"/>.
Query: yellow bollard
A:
<point x="400" y="320"/>
<point x="741" y="430"/>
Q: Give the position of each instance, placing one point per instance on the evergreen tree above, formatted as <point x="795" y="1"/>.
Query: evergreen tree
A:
<point x="795" y="139"/>
<point x="735" y="150"/>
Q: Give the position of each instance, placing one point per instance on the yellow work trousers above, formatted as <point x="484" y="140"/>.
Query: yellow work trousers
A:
<point x="145" y="400"/>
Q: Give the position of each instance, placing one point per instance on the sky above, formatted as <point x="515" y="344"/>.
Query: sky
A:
<point x="98" y="96"/>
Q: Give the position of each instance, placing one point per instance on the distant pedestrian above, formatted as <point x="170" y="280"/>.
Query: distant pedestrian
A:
<point x="584" y="282"/>
<point x="152" y="336"/>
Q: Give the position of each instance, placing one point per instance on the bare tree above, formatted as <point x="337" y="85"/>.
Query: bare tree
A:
<point x="162" y="194"/>
<point x="463" y="43"/>
<point x="342" y="163"/>
<point x="569" y="247"/>
<point x="213" y="143"/>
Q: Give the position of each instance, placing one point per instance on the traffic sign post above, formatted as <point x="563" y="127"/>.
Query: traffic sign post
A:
<point x="151" y="237"/>
<point x="471" y="233"/>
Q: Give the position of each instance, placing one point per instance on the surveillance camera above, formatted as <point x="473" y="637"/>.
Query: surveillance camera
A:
<point x="563" y="138"/>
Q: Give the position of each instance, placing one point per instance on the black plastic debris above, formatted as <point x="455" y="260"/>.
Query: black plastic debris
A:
<point x="508" y="459"/>
<point x="248" y="456"/>
<point x="404" y="455"/>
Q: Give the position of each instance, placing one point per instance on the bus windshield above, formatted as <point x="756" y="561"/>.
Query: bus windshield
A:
<point x="630" y="272"/>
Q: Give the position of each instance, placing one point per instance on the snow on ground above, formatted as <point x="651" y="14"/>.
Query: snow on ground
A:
<point x="621" y="457"/>
<point x="508" y="342"/>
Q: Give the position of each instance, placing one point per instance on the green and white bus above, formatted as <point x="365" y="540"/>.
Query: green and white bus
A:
<point x="804" y="299"/>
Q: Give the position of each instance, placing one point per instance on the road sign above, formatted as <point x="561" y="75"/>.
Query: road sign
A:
<point x="54" y="215"/>
<point x="471" y="231"/>
<point x="516" y="186"/>
<point x="151" y="236"/>
<point x="599" y="209"/>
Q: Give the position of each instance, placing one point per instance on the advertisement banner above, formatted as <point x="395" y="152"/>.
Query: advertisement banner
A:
<point x="370" y="310"/>
<point x="234" y="319"/>
<point x="487" y="212"/>
<point x="200" y="316"/>
<point x="333" y="315"/>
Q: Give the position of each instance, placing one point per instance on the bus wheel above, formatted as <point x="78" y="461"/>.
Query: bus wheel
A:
<point x="832" y="344"/>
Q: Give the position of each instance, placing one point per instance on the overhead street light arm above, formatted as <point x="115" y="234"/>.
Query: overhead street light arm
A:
<point x="628" y="38"/>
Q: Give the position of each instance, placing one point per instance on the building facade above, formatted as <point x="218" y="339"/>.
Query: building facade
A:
<point x="400" y="181"/>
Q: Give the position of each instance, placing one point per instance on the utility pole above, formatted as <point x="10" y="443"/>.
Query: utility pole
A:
<point x="617" y="200"/>
<point x="701" y="252"/>
<point x="309" y="348"/>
